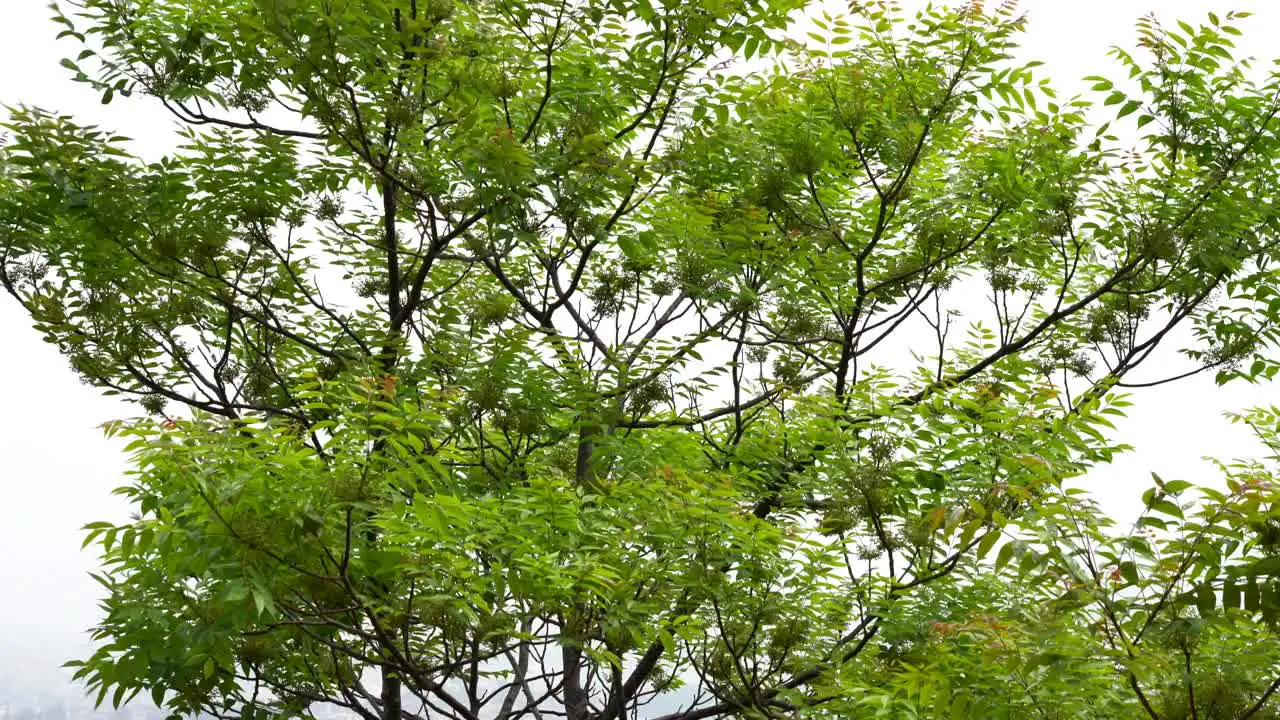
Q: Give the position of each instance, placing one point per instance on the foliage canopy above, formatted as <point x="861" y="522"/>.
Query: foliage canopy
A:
<point x="621" y="358"/>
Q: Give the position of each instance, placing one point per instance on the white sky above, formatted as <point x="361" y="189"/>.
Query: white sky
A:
<point x="56" y="469"/>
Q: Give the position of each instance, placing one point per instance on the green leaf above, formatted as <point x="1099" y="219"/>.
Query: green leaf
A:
<point x="1264" y="566"/>
<point x="1205" y="599"/>
<point x="986" y="543"/>
<point x="1230" y="595"/>
<point x="1129" y="572"/>
<point x="1005" y="555"/>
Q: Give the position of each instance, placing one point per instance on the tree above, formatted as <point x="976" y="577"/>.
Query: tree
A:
<point x="1170" y="616"/>
<point x="607" y="359"/>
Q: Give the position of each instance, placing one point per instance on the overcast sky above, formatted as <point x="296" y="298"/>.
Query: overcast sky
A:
<point x="56" y="469"/>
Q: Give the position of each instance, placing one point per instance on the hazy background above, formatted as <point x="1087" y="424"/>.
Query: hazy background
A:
<point x="57" y="470"/>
